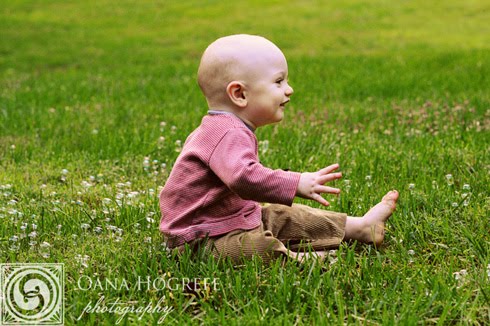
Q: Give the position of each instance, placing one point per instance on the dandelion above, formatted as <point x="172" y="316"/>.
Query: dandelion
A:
<point x="95" y="131"/>
<point x="454" y="204"/>
<point x="32" y="235"/>
<point x="12" y="147"/>
<point x="106" y="201"/>
<point x="411" y="186"/>
<point x="466" y="187"/>
<point x="162" y="126"/>
<point x="85" y="226"/>
<point x="173" y="129"/>
<point x="97" y="229"/>
<point x="147" y="240"/>
<point x="449" y="179"/>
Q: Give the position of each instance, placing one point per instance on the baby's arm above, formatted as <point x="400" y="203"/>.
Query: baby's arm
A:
<point x="311" y="185"/>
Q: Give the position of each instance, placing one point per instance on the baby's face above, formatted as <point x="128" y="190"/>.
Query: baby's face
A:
<point x="267" y="89"/>
<point x="253" y="67"/>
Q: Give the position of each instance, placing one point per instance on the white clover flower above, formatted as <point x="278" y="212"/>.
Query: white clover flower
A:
<point x="449" y="179"/>
<point x="111" y="228"/>
<point x="150" y="220"/>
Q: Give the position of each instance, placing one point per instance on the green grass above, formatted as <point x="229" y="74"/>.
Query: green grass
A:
<point x="395" y="90"/>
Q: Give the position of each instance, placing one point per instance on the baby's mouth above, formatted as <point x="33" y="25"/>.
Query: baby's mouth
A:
<point x="283" y="104"/>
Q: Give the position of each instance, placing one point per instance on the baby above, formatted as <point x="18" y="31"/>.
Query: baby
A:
<point x="211" y="198"/>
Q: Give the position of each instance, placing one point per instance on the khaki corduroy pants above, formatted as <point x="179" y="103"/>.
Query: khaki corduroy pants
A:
<point x="298" y="227"/>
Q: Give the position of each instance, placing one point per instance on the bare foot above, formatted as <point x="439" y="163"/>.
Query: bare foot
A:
<point x="371" y="227"/>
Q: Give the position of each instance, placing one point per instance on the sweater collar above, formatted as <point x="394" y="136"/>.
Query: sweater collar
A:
<point x="217" y="112"/>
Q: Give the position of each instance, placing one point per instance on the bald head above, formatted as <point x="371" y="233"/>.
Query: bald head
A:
<point x="232" y="58"/>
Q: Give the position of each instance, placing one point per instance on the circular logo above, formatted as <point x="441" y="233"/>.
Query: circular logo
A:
<point x="32" y="293"/>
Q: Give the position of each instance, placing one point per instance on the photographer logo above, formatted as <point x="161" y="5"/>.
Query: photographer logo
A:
<point x="31" y="294"/>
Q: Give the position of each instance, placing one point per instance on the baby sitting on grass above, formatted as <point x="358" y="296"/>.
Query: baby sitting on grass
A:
<point x="212" y="195"/>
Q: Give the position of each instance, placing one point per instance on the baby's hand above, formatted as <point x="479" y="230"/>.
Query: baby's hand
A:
<point x="311" y="185"/>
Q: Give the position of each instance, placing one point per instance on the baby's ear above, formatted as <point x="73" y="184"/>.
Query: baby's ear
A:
<point x="236" y="93"/>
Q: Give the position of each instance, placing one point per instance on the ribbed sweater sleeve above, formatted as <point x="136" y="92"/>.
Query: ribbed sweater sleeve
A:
<point x="235" y="161"/>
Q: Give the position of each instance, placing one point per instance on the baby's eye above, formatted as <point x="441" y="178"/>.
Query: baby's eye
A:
<point x="279" y="81"/>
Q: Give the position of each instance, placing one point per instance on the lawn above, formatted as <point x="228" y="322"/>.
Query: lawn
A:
<point x="97" y="98"/>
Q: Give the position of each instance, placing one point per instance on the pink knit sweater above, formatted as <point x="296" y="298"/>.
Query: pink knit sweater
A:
<point x="217" y="182"/>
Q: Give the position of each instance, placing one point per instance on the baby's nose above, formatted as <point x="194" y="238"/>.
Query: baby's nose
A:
<point x="289" y="91"/>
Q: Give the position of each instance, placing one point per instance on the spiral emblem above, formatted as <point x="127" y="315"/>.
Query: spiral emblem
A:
<point x="32" y="294"/>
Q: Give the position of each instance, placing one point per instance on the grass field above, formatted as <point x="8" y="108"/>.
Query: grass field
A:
<point x="97" y="96"/>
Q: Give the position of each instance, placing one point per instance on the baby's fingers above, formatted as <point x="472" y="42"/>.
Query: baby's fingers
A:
<point x="320" y="199"/>
<point x="329" y="177"/>
<point x="329" y="168"/>
<point x="327" y="190"/>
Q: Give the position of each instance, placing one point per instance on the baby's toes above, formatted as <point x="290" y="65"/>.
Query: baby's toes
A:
<point x="390" y="198"/>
